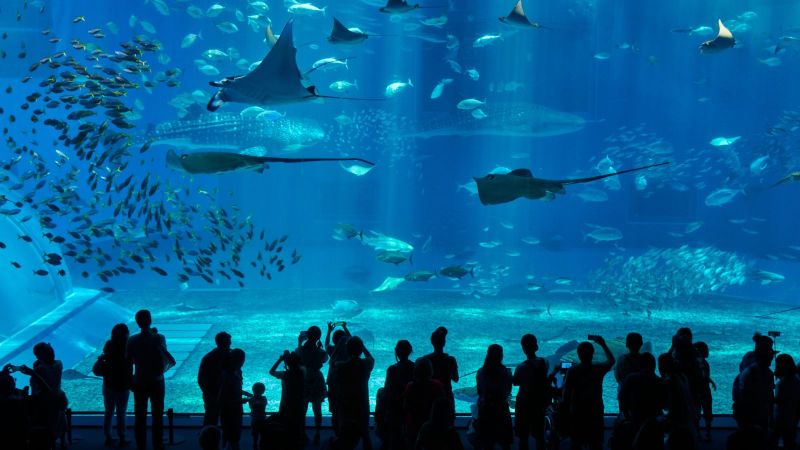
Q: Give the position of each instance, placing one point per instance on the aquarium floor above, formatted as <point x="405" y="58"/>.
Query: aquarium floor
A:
<point x="265" y="322"/>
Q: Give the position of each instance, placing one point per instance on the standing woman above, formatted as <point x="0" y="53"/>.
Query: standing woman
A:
<point x="292" y="409"/>
<point x="312" y="357"/>
<point x="494" y="388"/>
<point x="117" y="373"/>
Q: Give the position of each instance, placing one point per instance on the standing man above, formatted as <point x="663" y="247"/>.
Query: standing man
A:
<point x="147" y="350"/>
<point x="209" y="375"/>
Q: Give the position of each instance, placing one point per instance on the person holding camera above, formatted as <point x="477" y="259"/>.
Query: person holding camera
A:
<point x="312" y="357"/>
<point x="147" y="351"/>
<point x="353" y="390"/>
<point x="337" y="354"/>
<point x="49" y="402"/>
<point x="292" y="409"/>
<point x="14" y="424"/>
<point x="583" y="394"/>
<point x="117" y="373"/>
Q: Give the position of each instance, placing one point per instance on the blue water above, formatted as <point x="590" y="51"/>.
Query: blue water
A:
<point x="653" y="81"/>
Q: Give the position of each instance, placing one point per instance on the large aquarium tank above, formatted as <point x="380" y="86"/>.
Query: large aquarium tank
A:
<point x="163" y="154"/>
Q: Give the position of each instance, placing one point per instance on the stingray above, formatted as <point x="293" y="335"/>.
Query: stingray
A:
<point x="402" y="7"/>
<point x="517" y="18"/>
<point x="220" y="162"/>
<point x="276" y="80"/>
<point x="723" y="41"/>
<point x="343" y="35"/>
<point x="494" y="189"/>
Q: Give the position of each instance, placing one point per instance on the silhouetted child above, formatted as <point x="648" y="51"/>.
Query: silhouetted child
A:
<point x="258" y="413"/>
<point x="705" y="400"/>
<point x="534" y="394"/>
<point x="209" y="438"/>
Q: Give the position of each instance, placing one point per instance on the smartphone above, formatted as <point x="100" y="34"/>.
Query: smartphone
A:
<point x="592" y="337"/>
<point x="304" y="334"/>
<point x="566" y="365"/>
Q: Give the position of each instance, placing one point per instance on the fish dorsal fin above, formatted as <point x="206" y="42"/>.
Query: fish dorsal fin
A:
<point x="724" y="32"/>
<point x="517" y="11"/>
<point x="277" y="78"/>
<point x="521" y="173"/>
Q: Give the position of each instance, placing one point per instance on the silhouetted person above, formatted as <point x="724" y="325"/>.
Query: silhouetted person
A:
<point x="705" y="402"/>
<point x="230" y="400"/>
<point x="147" y="350"/>
<point x="787" y="402"/>
<point x="761" y="344"/>
<point x="337" y="353"/>
<point x="312" y="357"/>
<point x="398" y="375"/>
<point x="583" y="392"/>
<point x="438" y="433"/>
<point x="445" y="367"/>
<point x="681" y="412"/>
<point x="688" y="362"/>
<point x="208" y="376"/>
<point x="419" y="397"/>
<point x="48" y="400"/>
<point x="117" y="373"/>
<point x="352" y="403"/>
<point x="630" y="362"/>
<point x="641" y="401"/>
<point x="258" y="413"/>
<point x="14" y="424"/>
<point x="292" y="409"/>
<point x="209" y="439"/>
<point x="534" y="395"/>
<point x="755" y="397"/>
<point x="494" y="389"/>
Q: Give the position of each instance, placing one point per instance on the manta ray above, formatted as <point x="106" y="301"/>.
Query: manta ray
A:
<point x="517" y="18"/>
<point x="221" y="162"/>
<point x="343" y="35"/>
<point x="276" y="80"/>
<point x="494" y="189"/>
<point x="723" y="41"/>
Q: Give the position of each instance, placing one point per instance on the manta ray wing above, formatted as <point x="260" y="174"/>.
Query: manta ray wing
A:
<point x="341" y="33"/>
<point x="277" y="79"/>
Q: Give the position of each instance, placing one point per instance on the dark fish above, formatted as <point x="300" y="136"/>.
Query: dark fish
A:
<point x="159" y="271"/>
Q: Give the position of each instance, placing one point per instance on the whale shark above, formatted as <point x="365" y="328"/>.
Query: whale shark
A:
<point x="231" y="131"/>
<point x="526" y="120"/>
<point x="494" y="189"/>
<point x="221" y="162"/>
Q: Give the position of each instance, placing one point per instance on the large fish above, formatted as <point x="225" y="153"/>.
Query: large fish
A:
<point x="494" y="189"/>
<point x="502" y="119"/>
<point x="220" y="162"/>
<point x="231" y="131"/>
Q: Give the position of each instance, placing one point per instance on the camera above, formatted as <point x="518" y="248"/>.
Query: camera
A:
<point x="565" y="365"/>
<point x="773" y="333"/>
<point x="593" y="337"/>
<point x="340" y="323"/>
<point x="304" y="334"/>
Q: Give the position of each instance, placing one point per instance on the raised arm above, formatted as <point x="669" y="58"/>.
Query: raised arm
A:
<point x="274" y="369"/>
<point x="328" y="335"/>
<point x="610" y="360"/>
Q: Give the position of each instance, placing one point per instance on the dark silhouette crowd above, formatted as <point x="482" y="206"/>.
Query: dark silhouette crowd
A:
<point x="664" y="401"/>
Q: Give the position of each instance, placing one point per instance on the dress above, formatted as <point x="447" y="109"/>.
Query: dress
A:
<point x="313" y="357"/>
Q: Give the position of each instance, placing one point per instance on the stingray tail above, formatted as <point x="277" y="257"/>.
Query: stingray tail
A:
<point x="273" y="159"/>
<point x="335" y="97"/>
<point x="614" y="174"/>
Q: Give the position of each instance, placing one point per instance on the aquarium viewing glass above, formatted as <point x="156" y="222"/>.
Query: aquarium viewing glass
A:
<point x="151" y="159"/>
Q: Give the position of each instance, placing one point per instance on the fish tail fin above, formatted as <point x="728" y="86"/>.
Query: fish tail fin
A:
<point x="472" y="271"/>
<point x="411" y="258"/>
<point x="410" y="83"/>
<point x="324" y="8"/>
<point x="361" y="235"/>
